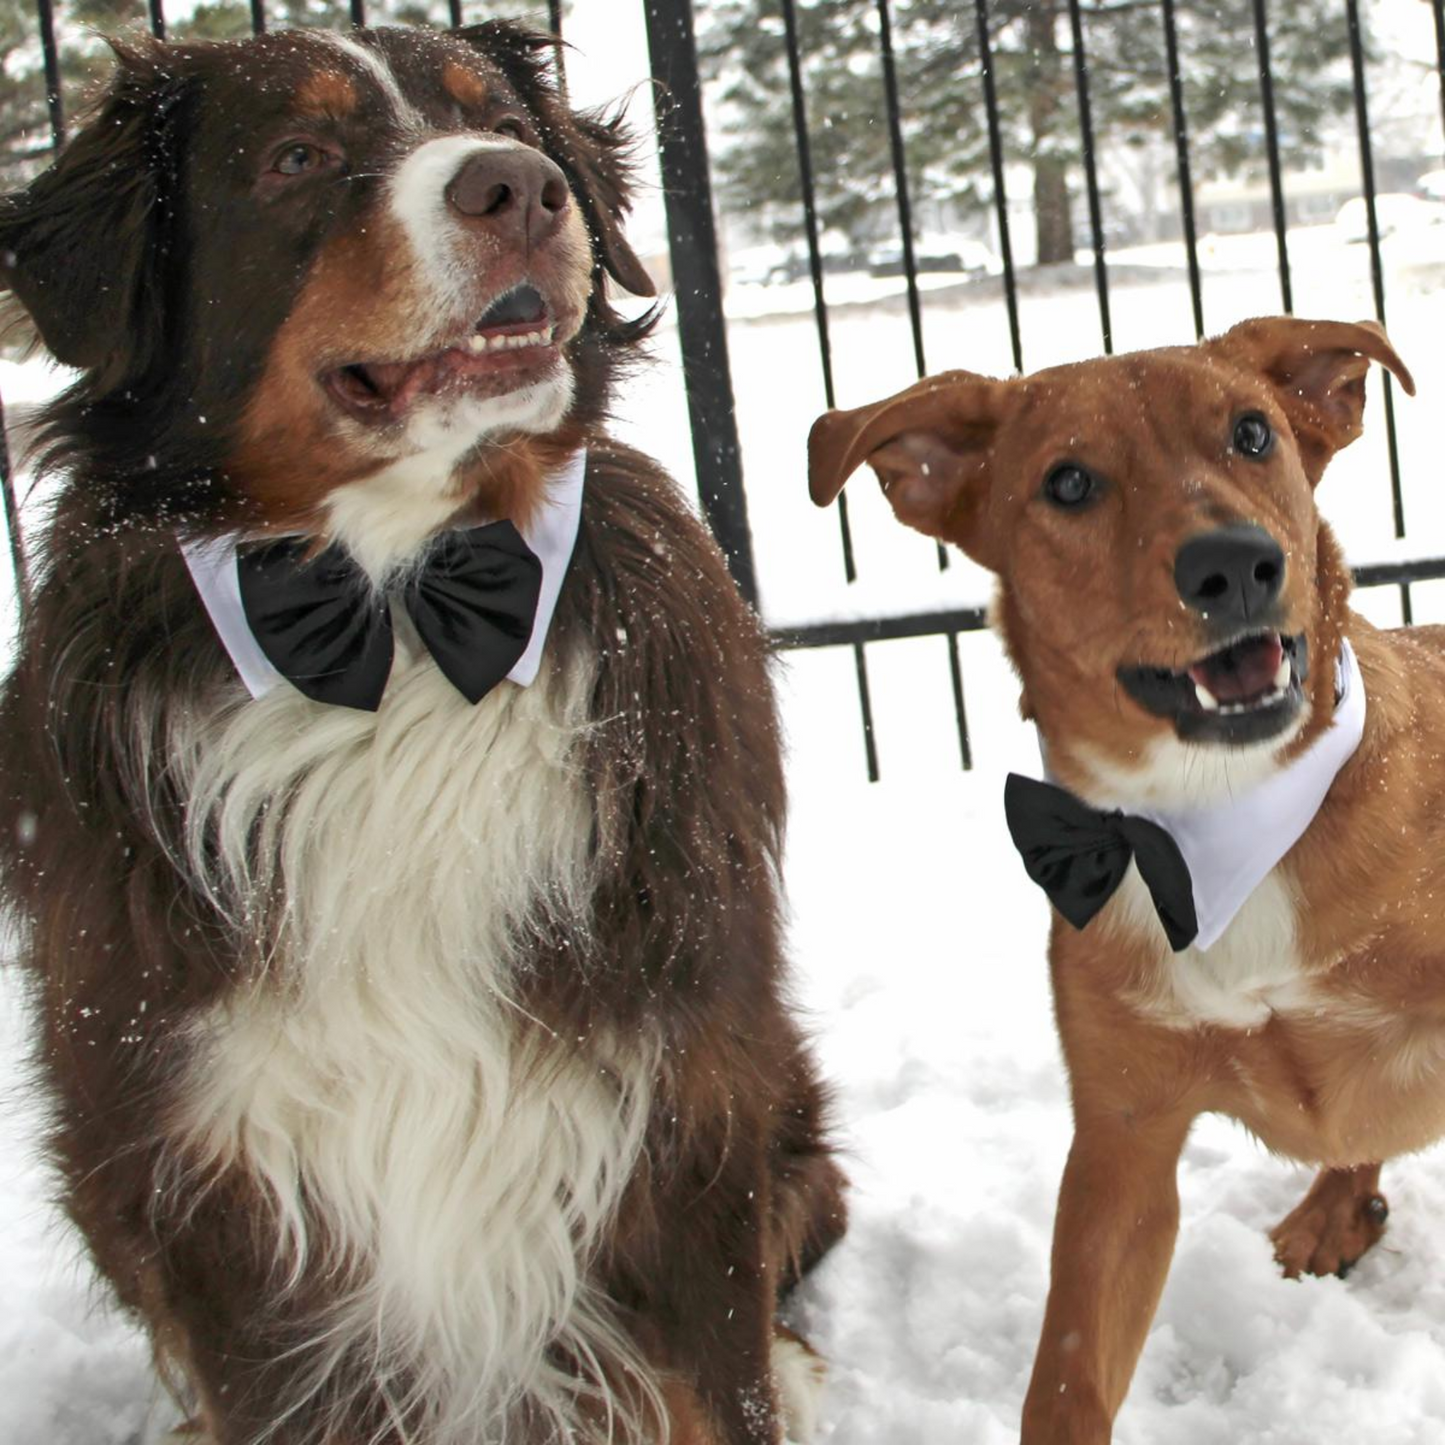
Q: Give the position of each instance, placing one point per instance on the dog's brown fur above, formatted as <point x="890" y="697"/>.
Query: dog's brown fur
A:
<point x="1345" y="1078"/>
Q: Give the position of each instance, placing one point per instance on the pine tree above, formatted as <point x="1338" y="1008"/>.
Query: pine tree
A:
<point x="939" y="76"/>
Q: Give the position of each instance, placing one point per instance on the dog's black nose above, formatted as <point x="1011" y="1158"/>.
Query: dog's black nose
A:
<point x="1231" y="575"/>
<point x="518" y="193"/>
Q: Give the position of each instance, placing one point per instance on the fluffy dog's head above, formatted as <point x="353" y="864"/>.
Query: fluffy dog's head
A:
<point x="1167" y="590"/>
<point x="349" y="284"/>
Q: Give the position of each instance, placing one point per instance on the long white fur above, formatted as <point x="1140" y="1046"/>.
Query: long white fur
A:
<point x="1252" y="970"/>
<point x="456" y="1163"/>
<point x="800" y="1377"/>
<point x="384" y="518"/>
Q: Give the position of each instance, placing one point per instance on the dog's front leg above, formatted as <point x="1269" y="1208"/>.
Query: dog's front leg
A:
<point x="1113" y="1237"/>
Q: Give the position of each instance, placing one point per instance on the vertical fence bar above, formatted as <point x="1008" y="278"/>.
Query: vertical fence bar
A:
<point x="820" y="312"/>
<point x="1000" y="194"/>
<point x="1271" y="144"/>
<point x="258" y="17"/>
<point x="905" y="203"/>
<point x="910" y="271"/>
<point x="1377" y="269"/>
<point x="955" y="668"/>
<point x="358" y="12"/>
<point x="12" y="520"/>
<point x="1091" y="175"/>
<point x="900" y="180"/>
<point x="454" y="13"/>
<point x="815" y="257"/>
<point x="1181" y="150"/>
<point x="55" y="110"/>
<point x="554" y="21"/>
<point x="697" y="283"/>
<point x="1439" y="8"/>
<point x="157" y="18"/>
<point x="50" y="57"/>
<point x="870" y="746"/>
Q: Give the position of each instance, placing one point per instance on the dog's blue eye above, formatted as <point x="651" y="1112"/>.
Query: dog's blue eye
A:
<point x="297" y="159"/>
<point x="1253" y="435"/>
<point x="1069" y="486"/>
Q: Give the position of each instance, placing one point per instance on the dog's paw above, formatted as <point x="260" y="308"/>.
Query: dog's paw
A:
<point x="799" y="1373"/>
<point x="1341" y="1217"/>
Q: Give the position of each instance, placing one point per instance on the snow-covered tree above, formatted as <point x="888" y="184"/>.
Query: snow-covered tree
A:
<point x="939" y="74"/>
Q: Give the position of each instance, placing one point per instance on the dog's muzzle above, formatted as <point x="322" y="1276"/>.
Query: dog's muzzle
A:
<point x="1247" y="691"/>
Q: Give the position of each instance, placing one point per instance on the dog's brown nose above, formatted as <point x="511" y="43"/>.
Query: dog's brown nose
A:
<point x="1230" y="576"/>
<point x="517" y="193"/>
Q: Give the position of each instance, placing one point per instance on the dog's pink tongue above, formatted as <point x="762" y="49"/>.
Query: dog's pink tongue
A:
<point x="1243" y="671"/>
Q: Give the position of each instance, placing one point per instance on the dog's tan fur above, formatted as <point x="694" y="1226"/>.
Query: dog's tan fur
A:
<point x="1331" y="1042"/>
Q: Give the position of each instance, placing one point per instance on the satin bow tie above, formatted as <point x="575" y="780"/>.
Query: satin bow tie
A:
<point x="1078" y="855"/>
<point x="324" y="628"/>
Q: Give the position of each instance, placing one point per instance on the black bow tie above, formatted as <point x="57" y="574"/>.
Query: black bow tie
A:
<point x="326" y="629"/>
<point x="1078" y="855"/>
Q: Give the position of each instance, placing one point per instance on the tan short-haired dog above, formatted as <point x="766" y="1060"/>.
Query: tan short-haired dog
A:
<point x="1212" y="711"/>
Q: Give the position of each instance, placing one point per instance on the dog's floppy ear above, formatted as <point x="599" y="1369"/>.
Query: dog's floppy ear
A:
<point x="593" y="151"/>
<point x="82" y="246"/>
<point x="1318" y="371"/>
<point x="599" y="170"/>
<point x="929" y="445"/>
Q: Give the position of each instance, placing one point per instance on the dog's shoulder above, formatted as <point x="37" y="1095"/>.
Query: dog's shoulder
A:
<point x="647" y="545"/>
<point x="685" y="754"/>
<point x="649" y="583"/>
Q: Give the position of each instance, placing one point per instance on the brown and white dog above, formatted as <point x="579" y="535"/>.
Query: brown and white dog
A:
<point x="420" y="1069"/>
<point x="1178" y="614"/>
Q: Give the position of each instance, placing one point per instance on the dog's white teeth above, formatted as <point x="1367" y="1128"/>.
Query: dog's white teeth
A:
<point x="478" y="342"/>
<point x="1207" y="699"/>
<point x="1281" y="678"/>
<point x="1265" y="700"/>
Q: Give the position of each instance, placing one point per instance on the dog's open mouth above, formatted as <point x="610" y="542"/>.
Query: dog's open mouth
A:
<point x="511" y="341"/>
<point x="1246" y="692"/>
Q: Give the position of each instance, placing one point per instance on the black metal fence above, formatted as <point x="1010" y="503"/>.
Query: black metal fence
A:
<point x="708" y="387"/>
<point x="698" y="281"/>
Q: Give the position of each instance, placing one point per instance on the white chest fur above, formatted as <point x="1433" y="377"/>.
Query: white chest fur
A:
<point x="1250" y="972"/>
<point x="412" y="1129"/>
